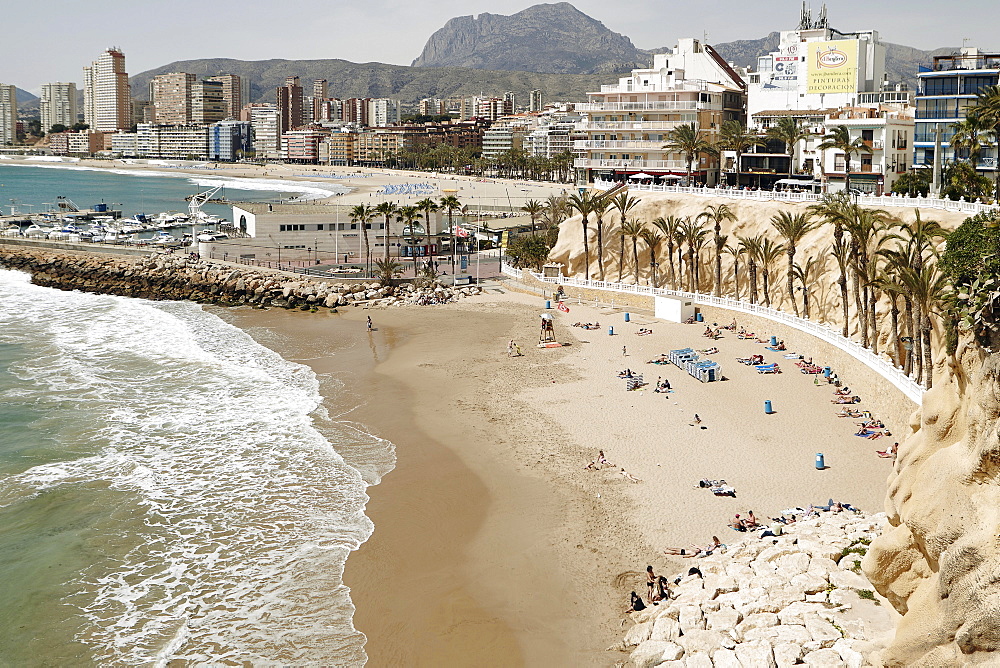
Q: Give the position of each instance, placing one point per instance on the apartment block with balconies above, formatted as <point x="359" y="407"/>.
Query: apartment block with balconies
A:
<point x="627" y="124"/>
<point x="946" y="91"/>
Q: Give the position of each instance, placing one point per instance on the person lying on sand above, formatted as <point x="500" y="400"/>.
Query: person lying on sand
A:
<point x="888" y="453"/>
<point x="845" y="400"/>
<point x="627" y="373"/>
<point x="601" y="459"/>
<point x="644" y="331"/>
<point x="628" y="476"/>
<point x="847" y="412"/>
<point x="592" y="466"/>
<point x="709" y="351"/>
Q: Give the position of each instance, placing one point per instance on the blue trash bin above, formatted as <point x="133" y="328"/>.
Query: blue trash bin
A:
<point x="826" y="372"/>
<point x="699" y="317"/>
<point x="626" y="317"/>
<point x="820" y="465"/>
<point x="548" y="304"/>
<point x="774" y="341"/>
<point x="767" y="406"/>
<point x="611" y="331"/>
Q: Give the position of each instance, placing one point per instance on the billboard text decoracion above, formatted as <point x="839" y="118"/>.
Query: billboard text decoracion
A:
<point x="833" y="66"/>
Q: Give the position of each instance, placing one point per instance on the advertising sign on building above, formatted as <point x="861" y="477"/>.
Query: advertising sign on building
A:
<point x="832" y="66"/>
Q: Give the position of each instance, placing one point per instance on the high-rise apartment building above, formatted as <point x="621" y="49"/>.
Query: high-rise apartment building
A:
<point x="171" y="96"/>
<point x="535" y="101"/>
<point x="311" y="109"/>
<point x="289" y="101"/>
<point x="58" y="105"/>
<point x="208" y="104"/>
<point x="106" y="93"/>
<point x="232" y="93"/>
<point x="8" y="114"/>
<point x="382" y="112"/>
<point x="432" y="107"/>
<point x="265" y="122"/>
<point x="355" y="110"/>
<point x="510" y="101"/>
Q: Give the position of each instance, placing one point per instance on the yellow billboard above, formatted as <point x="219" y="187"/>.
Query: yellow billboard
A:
<point x="832" y="67"/>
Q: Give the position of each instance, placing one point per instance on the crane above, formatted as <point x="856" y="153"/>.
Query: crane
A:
<point x="196" y="215"/>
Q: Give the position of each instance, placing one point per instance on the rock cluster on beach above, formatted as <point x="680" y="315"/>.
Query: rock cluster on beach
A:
<point x="183" y="278"/>
<point x="777" y="601"/>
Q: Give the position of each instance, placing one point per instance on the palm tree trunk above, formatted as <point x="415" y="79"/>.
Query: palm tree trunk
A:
<point x="586" y="251"/>
<point x="670" y="257"/>
<point x="918" y="357"/>
<point x="791" y="279"/>
<point x="635" y="258"/>
<point x="600" y="246"/>
<point x="753" y="281"/>
<point x="652" y="266"/>
<point x="863" y="321"/>
<point x="736" y="275"/>
<point x="872" y="319"/>
<point x="842" y="281"/>
<point x="805" y="300"/>
<point x="767" y="293"/>
<point x="894" y="335"/>
<point x="908" y="307"/>
<point x="621" y="258"/>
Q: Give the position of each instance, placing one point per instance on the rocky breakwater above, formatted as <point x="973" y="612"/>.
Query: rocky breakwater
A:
<point x="163" y="277"/>
<point x="797" y="598"/>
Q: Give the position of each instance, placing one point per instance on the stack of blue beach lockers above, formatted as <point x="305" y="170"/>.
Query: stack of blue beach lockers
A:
<point x="706" y="371"/>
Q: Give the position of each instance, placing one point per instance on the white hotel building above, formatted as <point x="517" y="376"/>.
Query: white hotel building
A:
<point x="627" y="123"/>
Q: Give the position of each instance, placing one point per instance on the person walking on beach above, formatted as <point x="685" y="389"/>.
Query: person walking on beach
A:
<point x="369" y="323"/>
<point x="510" y="348"/>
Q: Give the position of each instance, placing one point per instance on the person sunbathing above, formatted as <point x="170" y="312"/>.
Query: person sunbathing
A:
<point x="601" y="459"/>
<point x="844" y="391"/>
<point x="628" y="476"/>
<point x="709" y="351"/>
<point x="844" y="400"/>
<point x="592" y="466"/>
<point x="874" y="435"/>
<point x="627" y="373"/>
<point x="737" y="524"/>
<point x="888" y="453"/>
<point x="846" y="412"/>
<point x="644" y="332"/>
<point x="750" y="521"/>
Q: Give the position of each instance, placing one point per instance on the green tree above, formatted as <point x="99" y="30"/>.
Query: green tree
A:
<point x="751" y="249"/>
<point x="362" y="215"/>
<point x="633" y="230"/>
<point x="735" y="137"/>
<point x="792" y="227"/>
<point x="914" y="182"/>
<point x="623" y="203"/>
<point x="386" y="210"/>
<point x="599" y="206"/>
<point x="839" y="139"/>
<point x="971" y="135"/>
<point x="583" y="203"/>
<point x="534" y="209"/>
<point x="717" y="214"/>
<point x="57" y="128"/>
<point x="690" y="142"/>
<point x="788" y="131"/>
<point x="652" y="239"/>
<point x="768" y="253"/>
<point x="386" y="271"/>
<point x="806" y="273"/>
<point x="408" y="215"/>
<point x="450" y="204"/>
<point x="960" y="180"/>
<point x="668" y="227"/>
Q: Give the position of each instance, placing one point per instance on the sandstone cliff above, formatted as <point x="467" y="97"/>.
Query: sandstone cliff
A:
<point x="938" y="561"/>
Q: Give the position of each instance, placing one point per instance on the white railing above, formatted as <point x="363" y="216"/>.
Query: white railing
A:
<point x="629" y="164"/>
<point x="630" y="125"/>
<point x="767" y="195"/>
<point x="594" y="144"/>
<point x="913" y="390"/>
<point x="678" y="105"/>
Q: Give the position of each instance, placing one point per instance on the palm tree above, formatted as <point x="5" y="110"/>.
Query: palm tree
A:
<point x="788" y="131"/>
<point x="768" y="253"/>
<point x="805" y="274"/>
<point x="428" y="206"/>
<point x="652" y="239"/>
<point x="972" y="134"/>
<point x="841" y="252"/>
<point x="864" y="227"/>
<point x="734" y="137"/>
<point x="838" y="209"/>
<point x="623" y="203"/>
<point x="687" y="140"/>
<point x="693" y="235"/>
<point x="361" y="215"/>
<point x="792" y="228"/>
<point x="668" y="226"/>
<point x="450" y="204"/>
<point x="839" y="139"/>
<point x="599" y="206"/>
<point x="888" y="281"/>
<point x="717" y="213"/>
<point x="408" y="215"/>
<point x="583" y="203"/>
<point x="736" y="251"/>
<point x="387" y="270"/>
<point x="677" y="238"/>
<point x="751" y="248"/>
<point x="927" y="287"/>
<point x="633" y="229"/>
<point x="386" y="210"/>
<point x="533" y="208"/>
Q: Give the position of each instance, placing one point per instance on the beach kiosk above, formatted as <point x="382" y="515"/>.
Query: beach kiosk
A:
<point x="673" y="309"/>
<point x="552" y="270"/>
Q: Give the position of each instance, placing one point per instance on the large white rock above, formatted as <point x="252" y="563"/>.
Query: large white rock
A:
<point x="824" y="658"/>
<point x="726" y="658"/>
<point x="821" y="630"/>
<point x="691" y="618"/>
<point x="720" y="584"/>
<point x="699" y="660"/>
<point x="755" y="654"/>
<point x="775" y="552"/>
<point x="794" y="563"/>
<point x="787" y="654"/>
<point x="759" y="620"/>
<point x="849" y="655"/>
<point x="796" y="612"/>
<point x="739" y="571"/>
<point x="821" y="566"/>
<point x="638" y="633"/>
<point x="701" y="641"/>
<point x="654" y="652"/>
<point x="793" y="633"/>
<point x="810" y="583"/>
<point x="665" y="628"/>
<point x="849" y="580"/>
<point x="726" y="618"/>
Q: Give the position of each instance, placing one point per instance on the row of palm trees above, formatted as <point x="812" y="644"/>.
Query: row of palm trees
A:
<point x="514" y="163"/>
<point x="692" y="143"/>
<point x="407" y="216"/>
<point x="876" y="258"/>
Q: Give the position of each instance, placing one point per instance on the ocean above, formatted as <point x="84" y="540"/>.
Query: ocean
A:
<point x="171" y="491"/>
<point x="34" y="186"/>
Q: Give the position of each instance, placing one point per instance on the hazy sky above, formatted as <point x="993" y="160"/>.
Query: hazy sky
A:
<point x="53" y="43"/>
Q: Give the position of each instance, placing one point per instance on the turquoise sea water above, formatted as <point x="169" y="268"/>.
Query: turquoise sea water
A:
<point x="171" y="492"/>
<point x="35" y="187"/>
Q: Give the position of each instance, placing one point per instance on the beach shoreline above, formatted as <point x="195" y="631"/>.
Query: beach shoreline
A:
<point x="490" y="536"/>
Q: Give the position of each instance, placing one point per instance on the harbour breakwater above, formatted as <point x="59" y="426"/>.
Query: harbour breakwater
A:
<point x="180" y="278"/>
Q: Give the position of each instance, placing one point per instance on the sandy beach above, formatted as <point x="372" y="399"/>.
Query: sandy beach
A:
<point x="491" y="538"/>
